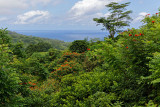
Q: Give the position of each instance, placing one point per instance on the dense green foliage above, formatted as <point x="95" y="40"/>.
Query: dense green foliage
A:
<point x="121" y="73"/>
<point x="19" y="50"/>
<point x="78" y="46"/>
<point x="9" y="78"/>
<point x="40" y="47"/>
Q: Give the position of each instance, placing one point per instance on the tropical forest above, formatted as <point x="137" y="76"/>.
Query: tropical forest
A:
<point x="123" y="70"/>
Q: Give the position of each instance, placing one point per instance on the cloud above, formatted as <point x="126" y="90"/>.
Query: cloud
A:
<point x="98" y="15"/>
<point x="140" y="17"/>
<point x="33" y="17"/>
<point x="44" y="2"/>
<point x="84" y="11"/>
<point x="36" y="2"/>
<point x="9" y="6"/>
<point x="3" y="19"/>
<point x="88" y="7"/>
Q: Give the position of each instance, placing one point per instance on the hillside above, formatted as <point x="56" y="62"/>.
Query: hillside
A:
<point x="58" y="44"/>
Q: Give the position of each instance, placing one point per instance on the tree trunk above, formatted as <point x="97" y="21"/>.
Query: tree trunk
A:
<point x="112" y="33"/>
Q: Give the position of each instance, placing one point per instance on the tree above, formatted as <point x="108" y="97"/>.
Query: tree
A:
<point x="43" y="46"/>
<point x="117" y="20"/>
<point x="18" y="50"/>
<point x="79" y="46"/>
<point x="40" y="47"/>
<point x="9" y="78"/>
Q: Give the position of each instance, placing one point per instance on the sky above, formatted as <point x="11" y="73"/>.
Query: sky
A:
<point x="66" y="14"/>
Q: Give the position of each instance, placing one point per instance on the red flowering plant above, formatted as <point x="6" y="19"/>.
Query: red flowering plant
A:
<point x="88" y="49"/>
<point x="68" y="56"/>
<point x="133" y="62"/>
<point x="48" y="86"/>
<point x="130" y="34"/>
<point x="141" y="45"/>
<point x="132" y="47"/>
<point x="66" y="68"/>
<point x="152" y="49"/>
<point x="157" y="14"/>
<point x="27" y="81"/>
<point x="33" y="85"/>
<point x="151" y="24"/>
<point x="133" y="34"/>
<point x="151" y="20"/>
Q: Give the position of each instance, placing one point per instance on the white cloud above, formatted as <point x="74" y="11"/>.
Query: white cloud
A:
<point x="33" y="17"/>
<point x="85" y="19"/>
<point x="87" y="7"/>
<point x="102" y="15"/>
<point x="36" y="2"/>
<point x="84" y="11"/>
<point x="3" y="19"/>
<point x="140" y="17"/>
<point x="9" y="6"/>
<point x="44" y="2"/>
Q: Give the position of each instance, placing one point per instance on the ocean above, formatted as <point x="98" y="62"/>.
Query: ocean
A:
<point x="65" y="35"/>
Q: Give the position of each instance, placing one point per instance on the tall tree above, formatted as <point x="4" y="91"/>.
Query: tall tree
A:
<point x="118" y="19"/>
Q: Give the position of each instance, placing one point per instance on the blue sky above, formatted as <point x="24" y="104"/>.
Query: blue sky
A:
<point x="66" y="14"/>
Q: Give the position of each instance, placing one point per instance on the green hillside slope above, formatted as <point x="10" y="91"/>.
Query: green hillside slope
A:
<point x="58" y="44"/>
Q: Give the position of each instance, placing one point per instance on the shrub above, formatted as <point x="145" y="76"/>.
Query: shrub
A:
<point x="18" y="50"/>
<point x="76" y="89"/>
<point x="67" y="56"/>
<point x="79" y="46"/>
<point x="40" y="47"/>
<point x="32" y="66"/>
<point x="38" y="99"/>
<point x="53" y="54"/>
<point x="41" y="94"/>
<point x="39" y="56"/>
<point x="101" y="99"/>
<point x="67" y="68"/>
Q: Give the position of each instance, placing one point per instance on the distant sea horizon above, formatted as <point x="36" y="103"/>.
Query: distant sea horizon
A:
<point x="65" y="35"/>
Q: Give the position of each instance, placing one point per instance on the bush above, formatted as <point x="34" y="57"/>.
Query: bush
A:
<point x="67" y="68"/>
<point x="67" y="56"/>
<point x="101" y="99"/>
<point x="32" y="66"/>
<point x="18" y="50"/>
<point x="76" y="89"/>
<point x="40" y="47"/>
<point x="79" y="46"/>
<point x="40" y="57"/>
<point x="53" y="54"/>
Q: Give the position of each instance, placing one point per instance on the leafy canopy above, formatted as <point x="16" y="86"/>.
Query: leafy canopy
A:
<point x="117" y="19"/>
